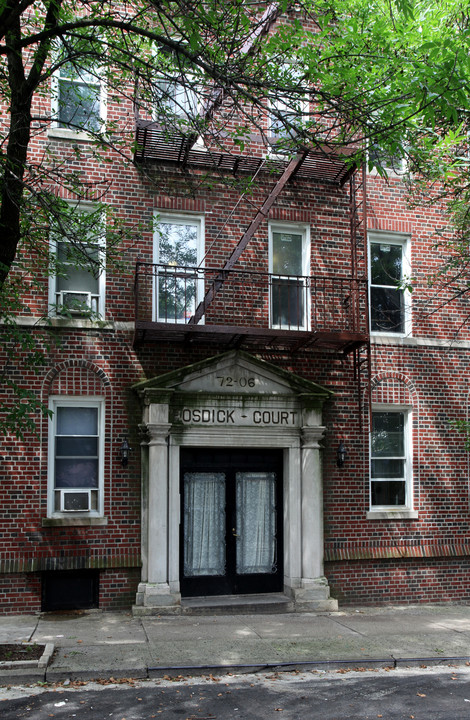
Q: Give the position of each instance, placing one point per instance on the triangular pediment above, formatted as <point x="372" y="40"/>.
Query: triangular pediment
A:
<point x="232" y="373"/>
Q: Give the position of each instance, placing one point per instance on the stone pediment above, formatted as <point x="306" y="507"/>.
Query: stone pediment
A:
<point x="233" y="373"/>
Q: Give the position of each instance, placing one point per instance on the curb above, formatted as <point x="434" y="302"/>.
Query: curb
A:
<point x="41" y="662"/>
<point x="23" y="671"/>
<point x="38" y="671"/>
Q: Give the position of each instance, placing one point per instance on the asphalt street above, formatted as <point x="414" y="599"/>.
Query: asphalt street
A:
<point x="404" y="694"/>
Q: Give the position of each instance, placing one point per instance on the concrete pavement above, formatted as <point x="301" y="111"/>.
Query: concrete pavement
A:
<point x="94" y="644"/>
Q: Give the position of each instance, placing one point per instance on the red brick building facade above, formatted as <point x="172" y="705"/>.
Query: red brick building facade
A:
<point x="234" y="482"/>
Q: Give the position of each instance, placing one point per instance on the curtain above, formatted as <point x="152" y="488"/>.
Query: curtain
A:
<point x="204" y="524"/>
<point x="256" y="522"/>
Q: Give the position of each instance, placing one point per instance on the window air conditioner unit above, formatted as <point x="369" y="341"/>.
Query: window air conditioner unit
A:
<point x="74" y="500"/>
<point x="75" y="302"/>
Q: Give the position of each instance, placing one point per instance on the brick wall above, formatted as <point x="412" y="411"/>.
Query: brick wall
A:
<point x="367" y="560"/>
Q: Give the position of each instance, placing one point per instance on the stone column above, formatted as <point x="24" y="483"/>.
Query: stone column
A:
<point x="154" y="595"/>
<point x="314" y="593"/>
<point x="312" y="504"/>
<point x="158" y="504"/>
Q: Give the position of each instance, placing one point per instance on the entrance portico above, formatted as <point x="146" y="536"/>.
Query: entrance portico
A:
<point x="231" y="448"/>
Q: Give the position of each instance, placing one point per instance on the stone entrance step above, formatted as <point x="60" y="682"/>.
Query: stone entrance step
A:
<point x="237" y="604"/>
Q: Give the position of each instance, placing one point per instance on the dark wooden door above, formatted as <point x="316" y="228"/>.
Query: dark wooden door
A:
<point x="231" y="521"/>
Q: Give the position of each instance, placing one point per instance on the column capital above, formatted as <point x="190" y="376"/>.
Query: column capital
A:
<point x="156" y="433"/>
<point x="311" y="436"/>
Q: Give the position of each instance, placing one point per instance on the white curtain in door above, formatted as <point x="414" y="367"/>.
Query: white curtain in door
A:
<point x="204" y="524"/>
<point x="256" y="522"/>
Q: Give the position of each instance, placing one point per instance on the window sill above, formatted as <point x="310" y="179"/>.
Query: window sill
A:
<point x="74" y="135"/>
<point x="81" y="323"/>
<point x="74" y="521"/>
<point x="401" y="174"/>
<point x="74" y="323"/>
<point x="376" y="335"/>
<point x="392" y="515"/>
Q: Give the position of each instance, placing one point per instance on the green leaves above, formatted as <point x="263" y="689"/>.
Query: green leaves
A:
<point x="386" y="74"/>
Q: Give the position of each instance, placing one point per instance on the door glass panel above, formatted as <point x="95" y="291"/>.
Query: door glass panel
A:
<point x="288" y="304"/>
<point x="256" y="522"/>
<point x="288" y="285"/>
<point x="204" y="524"/>
<point x="287" y="253"/>
<point x="386" y="264"/>
<point x="386" y="298"/>
<point x="177" y="282"/>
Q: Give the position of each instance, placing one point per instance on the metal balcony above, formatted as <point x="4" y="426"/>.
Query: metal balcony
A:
<point x="251" y="310"/>
<point x="155" y="143"/>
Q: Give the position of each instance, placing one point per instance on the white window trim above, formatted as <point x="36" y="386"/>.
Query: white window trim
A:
<point x="306" y="247"/>
<point x="71" y="133"/>
<point x="74" y="401"/>
<point x="394" y="172"/>
<point x="191" y="102"/>
<point x="403" y="240"/>
<point x="182" y="219"/>
<point x="280" y="104"/>
<point x="185" y="100"/>
<point x="82" y="207"/>
<point x="395" y="511"/>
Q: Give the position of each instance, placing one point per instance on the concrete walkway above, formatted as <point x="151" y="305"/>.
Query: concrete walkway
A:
<point x="94" y="644"/>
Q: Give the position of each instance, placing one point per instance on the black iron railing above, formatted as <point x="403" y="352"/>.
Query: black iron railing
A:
<point x="248" y="299"/>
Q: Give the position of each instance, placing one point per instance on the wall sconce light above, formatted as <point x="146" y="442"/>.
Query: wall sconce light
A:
<point x="341" y="454"/>
<point x="125" y="449"/>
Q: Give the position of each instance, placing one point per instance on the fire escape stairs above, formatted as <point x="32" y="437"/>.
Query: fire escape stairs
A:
<point x="261" y="215"/>
<point x="340" y="176"/>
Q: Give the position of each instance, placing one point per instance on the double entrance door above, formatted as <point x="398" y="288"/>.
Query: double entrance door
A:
<point x="231" y="521"/>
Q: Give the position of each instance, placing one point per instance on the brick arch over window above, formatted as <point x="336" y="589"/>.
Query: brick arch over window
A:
<point x="79" y="378"/>
<point x="393" y="389"/>
<point x="76" y="377"/>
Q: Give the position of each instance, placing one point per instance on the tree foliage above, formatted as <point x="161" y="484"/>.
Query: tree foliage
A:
<point x="387" y="73"/>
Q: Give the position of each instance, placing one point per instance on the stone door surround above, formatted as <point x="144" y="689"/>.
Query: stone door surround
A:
<point x="232" y="400"/>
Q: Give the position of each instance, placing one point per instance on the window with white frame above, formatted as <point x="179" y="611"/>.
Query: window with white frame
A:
<point x="286" y="110"/>
<point x="289" y="267"/>
<point x="76" y="457"/>
<point x="389" y="269"/>
<point x="177" y="97"/>
<point x="178" y="255"/>
<point x="387" y="160"/>
<point x="390" y="458"/>
<point x="78" y="94"/>
<point x="77" y="288"/>
<point x="175" y="94"/>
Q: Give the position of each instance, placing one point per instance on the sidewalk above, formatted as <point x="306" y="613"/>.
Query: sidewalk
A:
<point x="94" y="644"/>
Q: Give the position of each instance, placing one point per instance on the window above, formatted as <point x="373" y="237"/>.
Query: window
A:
<point x="285" y="109"/>
<point x="76" y="440"/>
<point x="179" y="98"/>
<point x="389" y="161"/>
<point x="390" y="459"/>
<point x="179" y="248"/>
<point x="175" y="93"/>
<point x="78" y="97"/>
<point x="389" y="268"/>
<point x="78" y="288"/>
<point x="289" y="254"/>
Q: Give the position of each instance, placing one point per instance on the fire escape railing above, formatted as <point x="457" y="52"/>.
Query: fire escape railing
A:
<point x="248" y="299"/>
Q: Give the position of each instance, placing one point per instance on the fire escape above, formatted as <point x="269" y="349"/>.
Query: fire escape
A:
<point x="235" y="307"/>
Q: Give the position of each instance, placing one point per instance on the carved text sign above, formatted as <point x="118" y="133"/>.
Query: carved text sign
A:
<point x="258" y="417"/>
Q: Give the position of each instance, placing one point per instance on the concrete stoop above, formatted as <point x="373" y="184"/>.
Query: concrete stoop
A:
<point x="237" y="604"/>
<point x="158" y="599"/>
<point x="221" y="605"/>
